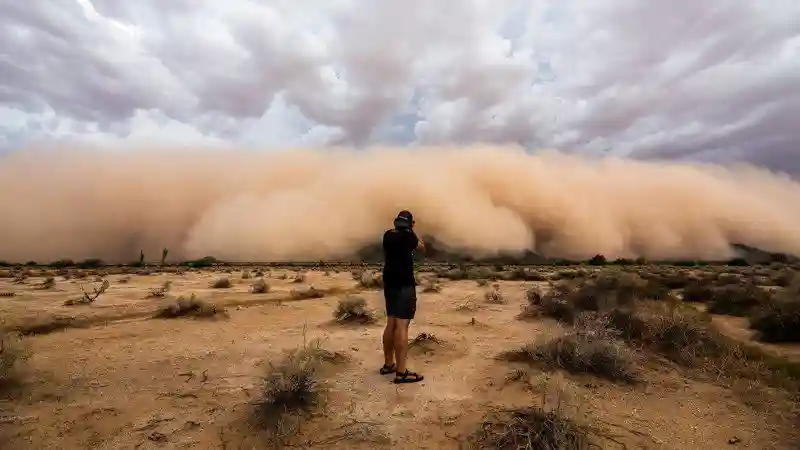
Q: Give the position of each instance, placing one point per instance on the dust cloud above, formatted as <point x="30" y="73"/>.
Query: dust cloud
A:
<point x="319" y="204"/>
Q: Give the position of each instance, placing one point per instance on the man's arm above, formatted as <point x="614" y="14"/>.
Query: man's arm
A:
<point x="420" y="244"/>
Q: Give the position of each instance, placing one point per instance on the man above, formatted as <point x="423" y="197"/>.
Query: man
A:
<point x="400" y="293"/>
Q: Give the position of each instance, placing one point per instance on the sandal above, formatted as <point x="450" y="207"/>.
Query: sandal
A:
<point x="408" y="377"/>
<point x="387" y="369"/>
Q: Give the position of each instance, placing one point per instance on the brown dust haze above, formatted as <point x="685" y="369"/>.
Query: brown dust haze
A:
<point x="319" y="204"/>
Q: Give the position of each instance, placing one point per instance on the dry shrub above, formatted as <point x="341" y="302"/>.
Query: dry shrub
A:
<point x="161" y="291"/>
<point x="47" y="283"/>
<point x="778" y="322"/>
<point x="531" y="428"/>
<point x="590" y="347"/>
<point x="738" y="299"/>
<point x="425" y="343"/>
<point x="370" y="280"/>
<point x="547" y="426"/>
<point x="291" y="390"/>
<point x="7" y="293"/>
<point x="533" y="307"/>
<point x="468" y="303"/>
<point x="221" y="283"/>
<point x="685" y="336"/>
<point x="494" y="295"/>
<point x="779" y="319"/>
<point x="306" y="294"/>
<point x="260" y="287"/>
<point x="189" y="307"/>
<point x="353" y="309"/>
<point x="521" y="274"/>
<point x="784" y="277"/>
<point x="299" y="277"/>
<point x="12" y="351"/>
<point x="246" y="274"/>
<point x="88" y="297"/>
<point x="698" y="291"/>
<point x="609" y="290"/>
<point x="430" y="285"/>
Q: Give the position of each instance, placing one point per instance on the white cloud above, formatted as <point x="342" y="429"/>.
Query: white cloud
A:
<point x="718" y="79"/>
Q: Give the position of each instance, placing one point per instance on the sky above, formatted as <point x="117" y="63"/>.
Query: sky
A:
<point x="712" y="80"/>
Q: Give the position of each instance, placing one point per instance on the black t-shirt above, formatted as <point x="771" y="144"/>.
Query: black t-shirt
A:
<point x="398" y="253"/>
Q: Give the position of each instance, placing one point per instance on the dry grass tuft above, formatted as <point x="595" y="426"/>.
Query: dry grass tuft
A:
<point x="493" y="295"/>
<point x="299" y="277"/>
<point x="7" y="293"/>
<point x="161" y="291"/>
<point x="260" y="287"/>
<point x="189" y="307"/>
<point x="292" y="390"/>
<point x="737" y="299"/>
<point x="89" y="298"/>
<point x="370" y="280"/>
<point x="47" y="283"/>
<point x="590" y="347"/>
<point x="779" y="319"/>
<point x="430" y="285"/>
<point x="306" y="294"/>
<point x="353" y="309"/>
<point x="532" y="428"/>
<point x="221" y="283"/>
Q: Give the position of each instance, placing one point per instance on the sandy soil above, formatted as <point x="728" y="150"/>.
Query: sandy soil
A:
<point x="130" y="381"/>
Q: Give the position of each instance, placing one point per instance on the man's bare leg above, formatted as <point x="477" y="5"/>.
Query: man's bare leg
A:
<point x="388" y="341"/>
<point x="401" y="343"/>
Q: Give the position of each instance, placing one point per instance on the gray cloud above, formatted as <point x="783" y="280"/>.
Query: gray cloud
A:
<point x="715" y="80"/>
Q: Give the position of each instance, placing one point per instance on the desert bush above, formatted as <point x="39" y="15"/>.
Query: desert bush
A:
<point x="778" y="322"/>
<point x="221" y="283"/>
<point x="698" y="292"/>
<point x="494" y="295"/>
<point x="12" y="351"/>
<point x="7" y="293"/>
<point x="590" y="347"/>
<point x="370" y="280"/>
<point x="47" y="283"/>
<point x="779" y="319"/>
<point x="160" y="291"/>
<point x="299" y="277"/>
<point x="191" y="306"/>
<point x="521" y="274"/>
<point x="306" y="294"/>
<point x="784" y="277"/>
<point x="246" y="275"/>
<point x="291" y="390"/>
<point x="532" y="308"/>
<point x="430" y="285"/>
<point x="89" y="298"/>
<point x="260" y="287"/>
<point x="737" y="300"/>
<point x="608" y="290"/>
<point x="532" y="428"/>
<point x="353" y="309"/>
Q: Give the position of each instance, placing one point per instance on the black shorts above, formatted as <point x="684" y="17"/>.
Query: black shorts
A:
<point x="401" y="302"/>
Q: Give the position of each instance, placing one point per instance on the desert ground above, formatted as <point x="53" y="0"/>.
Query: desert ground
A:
<point x="227" y="357"/>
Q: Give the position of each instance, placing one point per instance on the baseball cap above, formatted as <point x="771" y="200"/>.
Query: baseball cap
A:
<point x="404" y="219"/>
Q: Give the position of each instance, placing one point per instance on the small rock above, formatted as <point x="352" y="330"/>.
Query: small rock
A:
<point x="156" y="436"/>
<point x="734" y="440"/>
